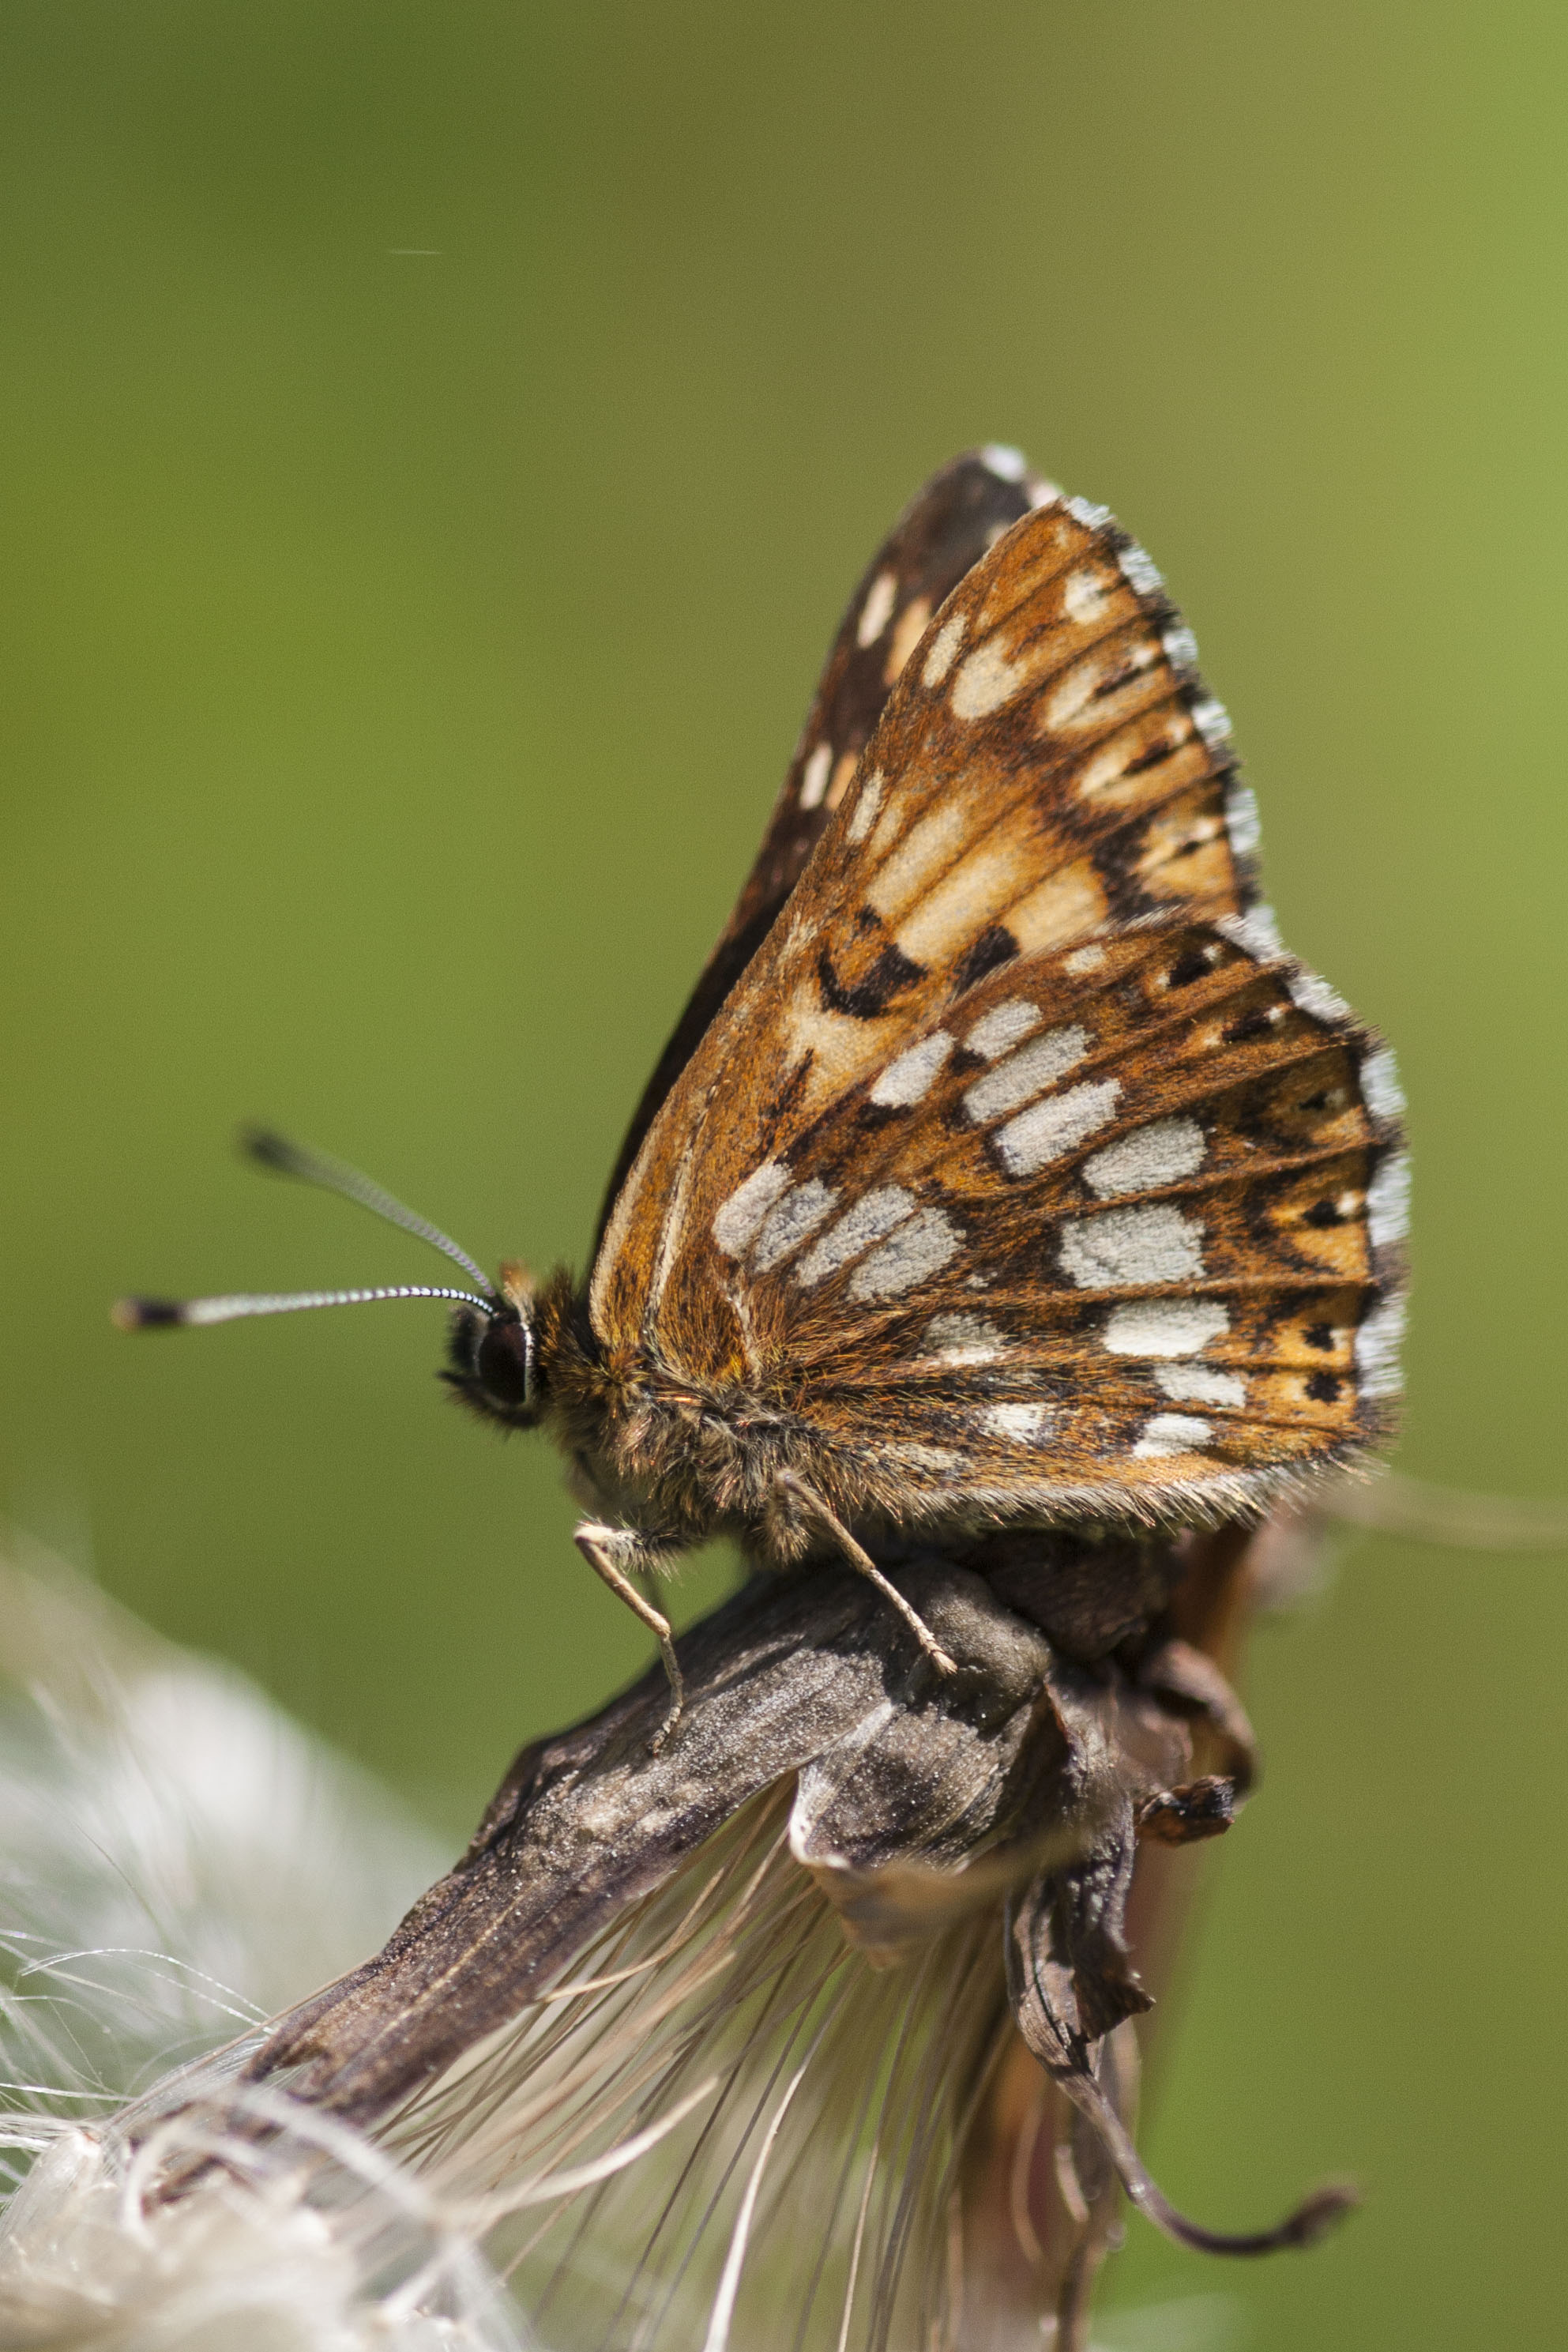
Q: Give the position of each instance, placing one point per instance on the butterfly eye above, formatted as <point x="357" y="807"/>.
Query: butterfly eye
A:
<point x="503" y="1361"/>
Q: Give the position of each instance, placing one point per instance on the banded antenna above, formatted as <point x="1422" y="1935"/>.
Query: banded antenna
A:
<point x="285" y="1159"/>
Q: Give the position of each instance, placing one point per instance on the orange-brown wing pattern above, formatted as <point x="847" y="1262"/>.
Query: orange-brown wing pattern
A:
<point x="959" y="514"/>
<point x="1049" y="791"/>
<point x="1122" y="1232"/>
<point x="1047" y="766"/>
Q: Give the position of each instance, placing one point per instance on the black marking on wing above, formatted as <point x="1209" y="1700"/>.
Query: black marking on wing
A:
<point x="994" y="948"/>
<point x="784" y="1100"/>
<point x="1322" y="1214"/>
<point x="871" y="997"/>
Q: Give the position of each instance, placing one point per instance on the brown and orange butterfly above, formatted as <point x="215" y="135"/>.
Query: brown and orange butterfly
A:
<point x="1003" y="1171"/>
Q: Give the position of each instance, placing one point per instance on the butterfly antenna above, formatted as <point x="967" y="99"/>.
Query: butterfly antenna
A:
<point x="163" y="1314"/>
<point x="285" y="1159"/>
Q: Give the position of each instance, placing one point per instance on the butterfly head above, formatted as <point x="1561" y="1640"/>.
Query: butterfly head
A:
<point x="492" y="1354"/>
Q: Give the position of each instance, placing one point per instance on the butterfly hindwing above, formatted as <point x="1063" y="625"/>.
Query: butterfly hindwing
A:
<point x="1110" y="1231"/>
<point x="945" y="531"/>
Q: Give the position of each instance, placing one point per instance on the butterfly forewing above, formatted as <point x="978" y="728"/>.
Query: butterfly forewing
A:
<point x="959" y="514"/>
<point x="1019" y="1163"/>
<point x="1046" y="766"/>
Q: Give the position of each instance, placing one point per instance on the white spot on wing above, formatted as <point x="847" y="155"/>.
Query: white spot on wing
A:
<point x="877" y="610"/>
<point x="1007" y="464"/>
<point x="1022" y="1422"/>
<point x="1026" y="1072"/>
<point x="1123" y="1247"/>
<point x="1057" y="1125"/>
<point x="1388" y="1202"/>
<point x="925" y="1457"/>
<point x="1164" y="1326"/>
<point x="987" y="680"/>
<point x="1083" y="960"/>
<point x="945" y="646"/>
<point x="737" y="1219"/>
<point x="964" y="1339"/>
<point x="916" y="1252"/>
<point x="1161" y="1153"/>
<point x="1083" y="594"/>
<point x="865" y="808"/>
<point x="913" y="1075"/>
<point x="1180" y="647"/>
<point x="1092" y="517"/>
<point x="814" y="776"/>
<point x="1195" y="1384"/>
<point x="1171" y="1433"/>
<point x="1380" y="1089"/>
<point x="864" y="1222"/>
<point x="1002" y="1026"/>
<point x="790" y="1222"/>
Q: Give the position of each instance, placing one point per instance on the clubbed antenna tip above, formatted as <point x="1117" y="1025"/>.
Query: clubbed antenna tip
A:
<point x="269" y="1150"/>
<point x="146" y="1314"/>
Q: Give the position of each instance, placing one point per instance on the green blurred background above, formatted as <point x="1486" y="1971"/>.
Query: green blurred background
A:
<point x="439" y="436"/>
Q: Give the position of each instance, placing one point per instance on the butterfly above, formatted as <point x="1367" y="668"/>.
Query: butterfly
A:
<point x="1003" y="1172"/>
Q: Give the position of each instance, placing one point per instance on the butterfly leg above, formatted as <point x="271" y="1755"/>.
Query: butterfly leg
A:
<point x="610" y="1552"/>
<point x="1189" y="1683"/>
<point x="831" y="1525"/>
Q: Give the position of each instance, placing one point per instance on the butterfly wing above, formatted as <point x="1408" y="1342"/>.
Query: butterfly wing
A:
<point x="947" y="530"/>
<point x="1012" y="968"/>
